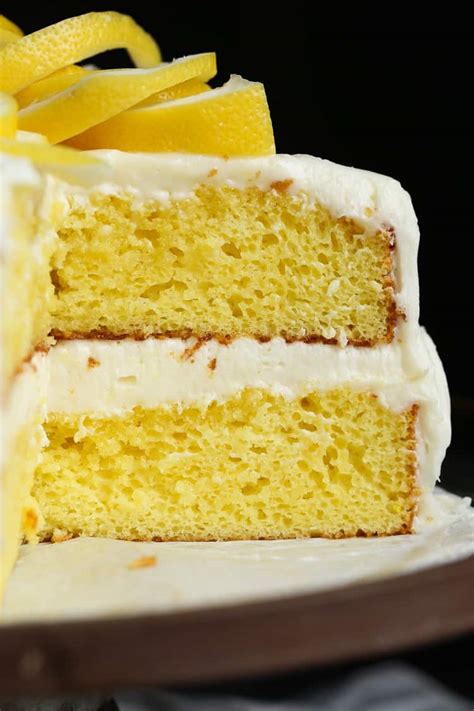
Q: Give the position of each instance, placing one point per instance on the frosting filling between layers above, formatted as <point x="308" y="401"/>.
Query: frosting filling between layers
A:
<point x="106" y="376"/>
<point x="109" y="377"/>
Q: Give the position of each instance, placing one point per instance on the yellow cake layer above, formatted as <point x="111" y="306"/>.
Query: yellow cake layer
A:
<point x="27" y="287"/>
<point x="223" y="262"/>
<point x="256" y="466"/>
<point x="19" y="514"/>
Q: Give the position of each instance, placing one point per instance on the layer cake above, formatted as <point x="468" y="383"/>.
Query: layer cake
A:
<point x="208" y="348"/>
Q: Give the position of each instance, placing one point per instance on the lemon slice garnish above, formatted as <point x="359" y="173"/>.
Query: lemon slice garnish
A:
<point x="103" y="94"/>
<point x="7" y="37"/>
<point x="60" y="80"/>
<point x="179" y="91"/>
<point x="8" y="116"/>
<point x="156" y="107"/>
<point x="9" y="32"/>
<point x="233" y="120"/>
<point x="41" y="53"/>
<point x="6" y="24"/>
<point x="68" y="76"/>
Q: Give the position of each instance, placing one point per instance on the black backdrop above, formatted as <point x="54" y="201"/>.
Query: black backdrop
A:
<point x="396" y="102"/>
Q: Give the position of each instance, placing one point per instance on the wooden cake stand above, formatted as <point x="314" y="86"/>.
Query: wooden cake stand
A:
<point x="228" y="642"/>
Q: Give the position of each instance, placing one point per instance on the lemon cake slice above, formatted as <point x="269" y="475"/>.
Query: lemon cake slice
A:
<point x="198" y="347"/>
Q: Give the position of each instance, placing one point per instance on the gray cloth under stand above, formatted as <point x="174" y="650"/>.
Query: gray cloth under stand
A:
<point x="386" y="686"/>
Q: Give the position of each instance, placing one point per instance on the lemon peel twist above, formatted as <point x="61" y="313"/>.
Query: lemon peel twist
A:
<point x="189" y="124"/>
<point x="192" y="87"/>
<point x="103" y="94"/>
<point x="7" y="37"/>
<point x="9" y="26"/>
<point x="60" y="80"/>
<point x="41" y="53"/>
<point x="156" y="107"/>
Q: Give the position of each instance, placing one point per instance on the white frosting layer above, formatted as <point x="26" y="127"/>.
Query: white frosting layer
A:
<point x="110" y="377"/>
<point x="371" y="199"/>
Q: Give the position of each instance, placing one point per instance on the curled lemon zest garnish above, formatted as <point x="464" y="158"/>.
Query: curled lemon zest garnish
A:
<point x="7" y="37"/>
<point x="179" y="91"/>
<point x="189" y="124"/>
<point x="6" y="24"/>
<point x="60" y="80"/>
<point x="103" y="94"/>
<point x="41" y="53"/>
<point x="155" y="107"/>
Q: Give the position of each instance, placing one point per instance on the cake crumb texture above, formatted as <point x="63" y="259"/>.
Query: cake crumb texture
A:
<point x="224" y="262"/>
<point x="257" y="465"/>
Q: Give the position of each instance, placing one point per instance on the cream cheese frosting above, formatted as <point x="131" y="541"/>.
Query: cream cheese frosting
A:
<point x="107" y="376"/>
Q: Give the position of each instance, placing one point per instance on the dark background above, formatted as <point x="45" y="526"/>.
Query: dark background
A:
<point x="395" y="102"/>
